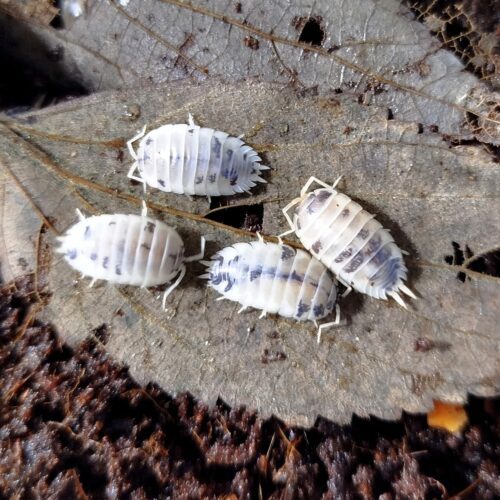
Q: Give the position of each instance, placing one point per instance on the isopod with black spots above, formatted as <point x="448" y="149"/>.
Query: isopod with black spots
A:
<point x="349" y="241"/>
<point x="188" y="159"/>
<point x="274" y="278"/>
<point x="127" y="249"/>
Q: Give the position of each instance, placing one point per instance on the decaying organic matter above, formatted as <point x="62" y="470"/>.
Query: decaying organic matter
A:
<point x="74" y="424"/>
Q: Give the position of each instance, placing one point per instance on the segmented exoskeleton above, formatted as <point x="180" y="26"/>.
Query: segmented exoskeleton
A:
<point x="126" y="249"/>
<point x="349" y="241"/>
<point x="275" y="278"/>
<point x="188" y="159"/>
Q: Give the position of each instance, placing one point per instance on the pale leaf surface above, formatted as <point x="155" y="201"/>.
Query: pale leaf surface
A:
<point x="426" y="192"/>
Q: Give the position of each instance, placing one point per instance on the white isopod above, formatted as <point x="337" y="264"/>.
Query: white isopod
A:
<point x="188" y="159"/>
<point x="276" y="279"/>
<point x="349" y="241"/>
<point x="126" y="249"/>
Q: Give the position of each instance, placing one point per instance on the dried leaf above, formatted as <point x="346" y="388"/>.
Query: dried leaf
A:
<point x="426" y="192"/>
<point x="374" y="50"/>
<point x="40" y="11"/>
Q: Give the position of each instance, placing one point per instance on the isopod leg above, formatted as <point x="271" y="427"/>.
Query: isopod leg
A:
<point x="91" y="284"/>
<point x="324" y="326"/>
<point x="172" y="287"/>
<point x="144" y="210"/>
<point x="79" y="214"/>
<point x="313" y="179"/>
<point x="131" y="175"/>
<point x="142" y="133"/>
<point x="191" y="122"/>
<point x="288" y="218"/>
<point x="348" y="289"/>
<point x="286" y="233"/>
<point x="200" y="254"/>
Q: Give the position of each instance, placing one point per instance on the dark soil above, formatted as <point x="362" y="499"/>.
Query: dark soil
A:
<point x="76" y="425"/>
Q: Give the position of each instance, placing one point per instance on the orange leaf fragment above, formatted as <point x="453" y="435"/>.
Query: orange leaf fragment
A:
<point x="447" y="416"/>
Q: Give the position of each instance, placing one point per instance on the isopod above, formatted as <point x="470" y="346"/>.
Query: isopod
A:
<point x="126" y="249"/>
<point x="193" y="160"/>
<point x="274" y="278"/>
<point x="349" y="241"/>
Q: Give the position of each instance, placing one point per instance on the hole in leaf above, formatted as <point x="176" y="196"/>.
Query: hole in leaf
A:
<point x="247" y="217"/>
<point x="312" y="32"/>
<point x="465" y="29"/>
<point x="458" y="258"/>
<point x="58" y="23"/>
<point x="487" y="263"/>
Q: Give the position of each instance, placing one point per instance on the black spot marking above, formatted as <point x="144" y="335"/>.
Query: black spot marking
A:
<point x="173" y="256"/>
<point x="317" y="246"/>
<point x="211" y="178"/>
<point x="253" y="171"/>
<point x="161" y="182"/>
<point x="146" y="157"/>
<point x="344" y="255"/>
<point x="71" y="254"/>
<point x="255" y="273"/>
<point x="105" y="262"/>
<point x="355" y="263"/>
<point x="317" y="198"/>
<point x="145" y="246"/>
<point x="287" y="252"/>
<point x="296" y="277"/>
<point x="215" y="278"/>
<point x="93" y="256"/>
<point x="86" y="234"/>
<point x="244" y="156"/>
<point x="112" y="223"/>
<point x="302" y="308"/>
<point x="345" y="212"/>
<point x="363" y="234"/>
<point x="372" y="245"/>
<point x="323" y="195"/>
<point x="229" y="154"/>
<point x="149" y="141"/>
<point x="216" y="146"/>
<point x="218" y="259"/>
<point x="229" y="285"/>
<point x="319" y="310"/>
<point x="190" y="130"/>
<point x="381" y="257"/>
<point x="198" y="180"/>
<point x="150" y="226"/>
<point x="118" y="269"/>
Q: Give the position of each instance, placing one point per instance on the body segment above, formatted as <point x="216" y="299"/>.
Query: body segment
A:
<point x="188" y="159"/>
<point x="274" y="278"/>
<point x="350" y="242"/>
<point x="126" y="249"/>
